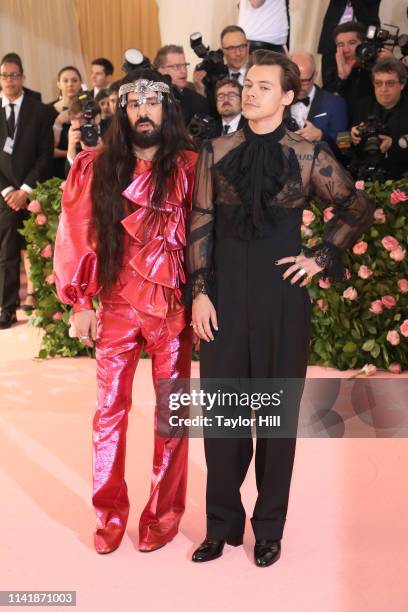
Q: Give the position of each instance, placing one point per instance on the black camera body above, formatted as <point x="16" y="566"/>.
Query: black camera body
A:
<point x="376" y="39"/>
<point x="202" y="128"/>
<point x="367" y="164"/>
<point x="89" y="131"/>
<point x="369" y="134"/>
<point x="213" y="61"/>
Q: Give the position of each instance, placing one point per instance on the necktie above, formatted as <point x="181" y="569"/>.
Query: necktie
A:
<point x="225" y="129"/>
<point x="11" y="121"/>
<point x="235" y="75"/>
<point x="305" y="101"/>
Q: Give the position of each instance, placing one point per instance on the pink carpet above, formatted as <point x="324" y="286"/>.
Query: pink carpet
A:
<point x="346" y="538"/>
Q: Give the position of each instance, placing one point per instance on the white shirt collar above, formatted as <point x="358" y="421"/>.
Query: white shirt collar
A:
<point x="233" y="125"/>
<point x="5" y="101"/>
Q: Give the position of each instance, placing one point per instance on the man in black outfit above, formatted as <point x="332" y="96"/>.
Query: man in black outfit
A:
<point x="390" y="107"/>
<point x="26" y="148"/>
<point x="171" y="60"/>
<point x="338" y="12"/>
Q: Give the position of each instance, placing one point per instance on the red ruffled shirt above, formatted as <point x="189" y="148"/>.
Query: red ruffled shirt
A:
<point x="153" y="270"/>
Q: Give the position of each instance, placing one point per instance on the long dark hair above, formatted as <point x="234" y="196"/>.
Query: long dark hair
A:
<point x="113" y="172"/>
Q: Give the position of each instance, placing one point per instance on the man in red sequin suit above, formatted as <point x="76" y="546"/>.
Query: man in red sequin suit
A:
<point x="121" y="237"/>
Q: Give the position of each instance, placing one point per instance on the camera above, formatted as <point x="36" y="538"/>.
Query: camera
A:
<point x="376" y="39"/>
<point x="202" y="128"/>
<point x="134" y="60"/>
<point x="369" y="134"/>
<point x="368" y="160"/>
<point x="89" y="131"/>
<point x="213" y="61"/>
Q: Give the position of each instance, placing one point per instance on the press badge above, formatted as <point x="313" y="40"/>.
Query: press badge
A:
<point x="8" y="145"/>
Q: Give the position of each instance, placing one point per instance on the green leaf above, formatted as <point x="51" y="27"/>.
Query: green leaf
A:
<point x="369" y="345"/>
<point x="350" y="347"/>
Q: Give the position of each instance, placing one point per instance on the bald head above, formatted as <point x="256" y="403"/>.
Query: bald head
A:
<point x="307" y="67"/>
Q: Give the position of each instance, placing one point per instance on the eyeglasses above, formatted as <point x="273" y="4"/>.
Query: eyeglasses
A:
<point x="227" y="96"/>
<point x="178" y="66"/>
<point x="10" y="75"/>
<point x="150" y="102"/>
<point x="236" y="48"/>
<point x="387" y="84"/>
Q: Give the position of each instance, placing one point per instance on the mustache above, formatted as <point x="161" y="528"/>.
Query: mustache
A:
<point x="145" y="120"/>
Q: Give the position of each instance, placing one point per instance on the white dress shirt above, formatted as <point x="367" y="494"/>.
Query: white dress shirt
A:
<point x="233" y="124"/>
<point x="5" y="102"/>
<point x="242" y="73"/>
<point x="300" y="111"/>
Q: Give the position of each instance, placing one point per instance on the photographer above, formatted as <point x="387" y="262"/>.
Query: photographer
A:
<point x="235" y="48"/>
<point x="76" y="142"/>
<point x="390" y="109"/>
<point x="171" y="60"/>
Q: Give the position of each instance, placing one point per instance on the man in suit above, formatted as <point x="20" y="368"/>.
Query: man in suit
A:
<point x="26" y="148"/>
<point x="228" y="100"/>
<point x="171" y="60"/>
<point x="319" y="113"/>
<point x="101" y="75"/>
<point x="338" y="12"/>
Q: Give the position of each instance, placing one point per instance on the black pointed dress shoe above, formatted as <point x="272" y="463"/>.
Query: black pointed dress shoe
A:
<point x="212" y="549"/>
<point x="266" y="552"/>
<point x="7" y="319"/>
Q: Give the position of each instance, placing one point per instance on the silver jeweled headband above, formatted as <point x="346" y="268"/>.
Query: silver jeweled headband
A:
<point x="143" y="87"/>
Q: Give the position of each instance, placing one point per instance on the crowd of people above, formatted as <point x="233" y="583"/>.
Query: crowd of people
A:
<point x="239" y="153"/>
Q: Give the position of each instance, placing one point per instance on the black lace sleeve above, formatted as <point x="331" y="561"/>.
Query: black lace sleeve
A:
<point x="201" y="228"/>
<point x="332" y="186"/>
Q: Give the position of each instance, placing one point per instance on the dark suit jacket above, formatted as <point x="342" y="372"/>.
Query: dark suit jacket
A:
<point x="191" y="103"/>
<point x="33" y="146"/>
<point x="328" y="113"/>
<point x="365" y="11"/>
<point x="241" y="124"/>
<point x="31" y="92"/>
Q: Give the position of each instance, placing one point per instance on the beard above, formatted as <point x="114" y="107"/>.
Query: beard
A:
<point x="144" y="140"/>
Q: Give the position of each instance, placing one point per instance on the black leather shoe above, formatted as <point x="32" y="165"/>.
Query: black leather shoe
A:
<point x="266" y="552"/>
<point x="212" y="549"/>
<point x="7" y="319"/>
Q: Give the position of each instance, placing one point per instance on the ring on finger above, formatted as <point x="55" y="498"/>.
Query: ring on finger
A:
<point x="302" y="272"/>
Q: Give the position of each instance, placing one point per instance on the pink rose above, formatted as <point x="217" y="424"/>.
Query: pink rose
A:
<point x="398" y="254"/>
<point x="50" y="280"/>
<point x="389" y="243"/>
<point x="34" y="206"/>
<point x="360" y="248"/>
<point x="360" y="185"/>
<point x="376" y="307"/>
<point x="398" y="196"/>
<point x="306" y="231"/>
<point x="308" y="217"/>
<point x="395" y="368"/>
<point x="369" y="369"/>
<point x="347" y="274"/>
<point x="322" y="304"/>
<point x="404" y="328"/>
<point x="57" y="316"/>
<point x="62" y="186"/>
<point x="388" y="301"/>
<point x="403" y="285"/>
<point x="328" y="214"/>
<point x="41" y="219"/>
<point x="393" y="338"/>
<point x="364" y="272"/>
<point x="46" y="251"/>
<point x="379" y="215"/>
<point x="350" y="293"/>
<point x="324" y="283"/>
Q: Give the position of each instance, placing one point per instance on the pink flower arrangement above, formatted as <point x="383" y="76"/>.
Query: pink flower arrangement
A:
<point x="368" y="369"/>
<point x="398" y="254"/>
<point x="34" y="206"/>
<point x="322" y="304"/>
<point x="62" y="186"/>
<point x="379" y="215"/>
<point x="394" y="368"/>
<point x="308" y="217"/>
<point x="393" y="338"/>
<point x="347" y="274"/>
<point x="360" y="248"/>
<point x="328" y="214"/>
<point x="404" y="328"/>
<point x="376" y="307"/>
<point x="398" y="196"/>
<point x="306" y="231"/>
<point x="390" y="243"/>
<point x="57" y="316"/>
<point x="403" y="285"/>
<point x="364" y="272"/>
<point x="50" y="280"/>
<point x="41" y="219"/>
<point x="324" y="283"/>
<point x="46" y="252"/>
<point x="360" y="185"/>
<point x="388" y="301"/>
<point x="350" y="294"/>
